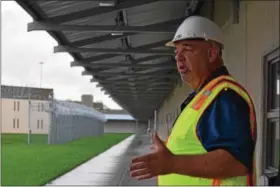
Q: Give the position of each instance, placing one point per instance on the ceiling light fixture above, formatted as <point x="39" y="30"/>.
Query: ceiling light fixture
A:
<point x="107" y="3"/>
<point x="117" y="34"/>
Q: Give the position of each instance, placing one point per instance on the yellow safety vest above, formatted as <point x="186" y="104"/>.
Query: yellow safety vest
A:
<point x="183" y="139"/>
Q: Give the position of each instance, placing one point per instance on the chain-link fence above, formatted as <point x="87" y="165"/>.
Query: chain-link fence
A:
<point x="71" y="121"/>
<point x="34" y="115"/>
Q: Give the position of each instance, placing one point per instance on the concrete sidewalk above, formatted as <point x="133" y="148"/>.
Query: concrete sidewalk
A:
<point x="143" y="147"/>
<point x="110" y="167"/>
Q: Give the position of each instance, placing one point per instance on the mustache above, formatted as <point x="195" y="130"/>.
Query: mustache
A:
<point x="186" y="65"/>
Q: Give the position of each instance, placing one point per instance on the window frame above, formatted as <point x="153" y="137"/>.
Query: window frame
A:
<point x="270" y="146"/>
<point x="14" y="123"/>
<point x="38" y="124"/>
<point x="18" y="105"/>
<point x="15" y="105"/>
<point x="42" y="123"/>
<point x="269" y="114"/>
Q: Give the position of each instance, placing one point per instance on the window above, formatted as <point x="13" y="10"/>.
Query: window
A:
<point x="14" y="105"/>
<point x="14" y="123"/>
<point x="42" y="107"/>
<point x="273" y="146"/>
<point x="17" y="123"/>
<point x="18" y="106"/>
<point x="38" y="124"/>
<point x="271" y="111"/>
<point x="38" y="107"/>
<point x="41" y="124"/>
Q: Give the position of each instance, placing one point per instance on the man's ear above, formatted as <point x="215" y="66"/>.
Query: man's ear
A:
<point x="213" y="54"/>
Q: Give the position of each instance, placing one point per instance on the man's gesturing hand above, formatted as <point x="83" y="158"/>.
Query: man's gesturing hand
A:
<point x="157" y="163"/>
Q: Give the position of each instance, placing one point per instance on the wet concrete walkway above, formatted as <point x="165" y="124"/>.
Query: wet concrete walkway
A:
<point x="110" y="167"/>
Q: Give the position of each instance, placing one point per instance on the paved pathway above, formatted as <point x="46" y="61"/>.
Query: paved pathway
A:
<point x="110" y="167"/>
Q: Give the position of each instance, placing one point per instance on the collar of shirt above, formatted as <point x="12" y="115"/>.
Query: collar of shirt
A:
<point x="219" y="72"/>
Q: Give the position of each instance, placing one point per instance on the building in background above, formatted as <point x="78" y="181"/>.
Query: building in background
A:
<point x="17" y="111"/>
<point x="98" y="106"/>
<point x="87" y="100"/>
<point x="18" y="115"/>
<point x="120" y="123"/>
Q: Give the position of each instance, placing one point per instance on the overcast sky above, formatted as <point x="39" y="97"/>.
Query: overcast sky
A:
<point x="22" y="51"/>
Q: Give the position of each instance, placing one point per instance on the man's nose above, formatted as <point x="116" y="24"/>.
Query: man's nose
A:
<point x="179" y="57"/>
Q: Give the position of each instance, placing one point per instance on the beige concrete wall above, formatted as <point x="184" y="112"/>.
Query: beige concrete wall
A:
<point x="39" y="118"/>
<point x="171" y="108"/>
<point x="246" y="43"/>
<point x="9" y="115"/>
<point x="21" y="117"/>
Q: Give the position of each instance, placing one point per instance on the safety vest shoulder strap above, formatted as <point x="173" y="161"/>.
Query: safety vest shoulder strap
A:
<point x="228" y="82"/>
<point x="206" y="91"/>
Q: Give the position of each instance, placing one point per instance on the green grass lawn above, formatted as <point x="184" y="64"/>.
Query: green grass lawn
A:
<point x="39" y="163"/>
<point x="21" y="139"/>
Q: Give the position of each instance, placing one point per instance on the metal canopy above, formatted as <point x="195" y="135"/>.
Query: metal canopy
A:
<point x="120" y="44"/>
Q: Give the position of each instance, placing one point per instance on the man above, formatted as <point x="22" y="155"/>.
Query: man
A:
<point x="213" y="139"/>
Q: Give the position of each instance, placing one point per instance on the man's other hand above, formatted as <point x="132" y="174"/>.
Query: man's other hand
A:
<point x="156" y="163"/>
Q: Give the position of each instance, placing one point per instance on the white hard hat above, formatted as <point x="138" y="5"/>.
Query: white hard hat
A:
<point x="197" y="27"/>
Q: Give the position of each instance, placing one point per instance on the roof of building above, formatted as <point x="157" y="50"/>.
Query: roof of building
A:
<point x="125" y="117"/>
<point x="20" y="92"/>
<point x="114" y="111"/>
<point x="121" y="42"/>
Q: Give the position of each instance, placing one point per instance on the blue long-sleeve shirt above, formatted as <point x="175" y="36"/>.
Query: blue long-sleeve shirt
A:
<point x="225" y="124"/>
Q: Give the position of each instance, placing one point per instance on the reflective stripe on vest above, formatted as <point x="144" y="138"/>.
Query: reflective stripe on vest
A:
<point x="183" y="138"/>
